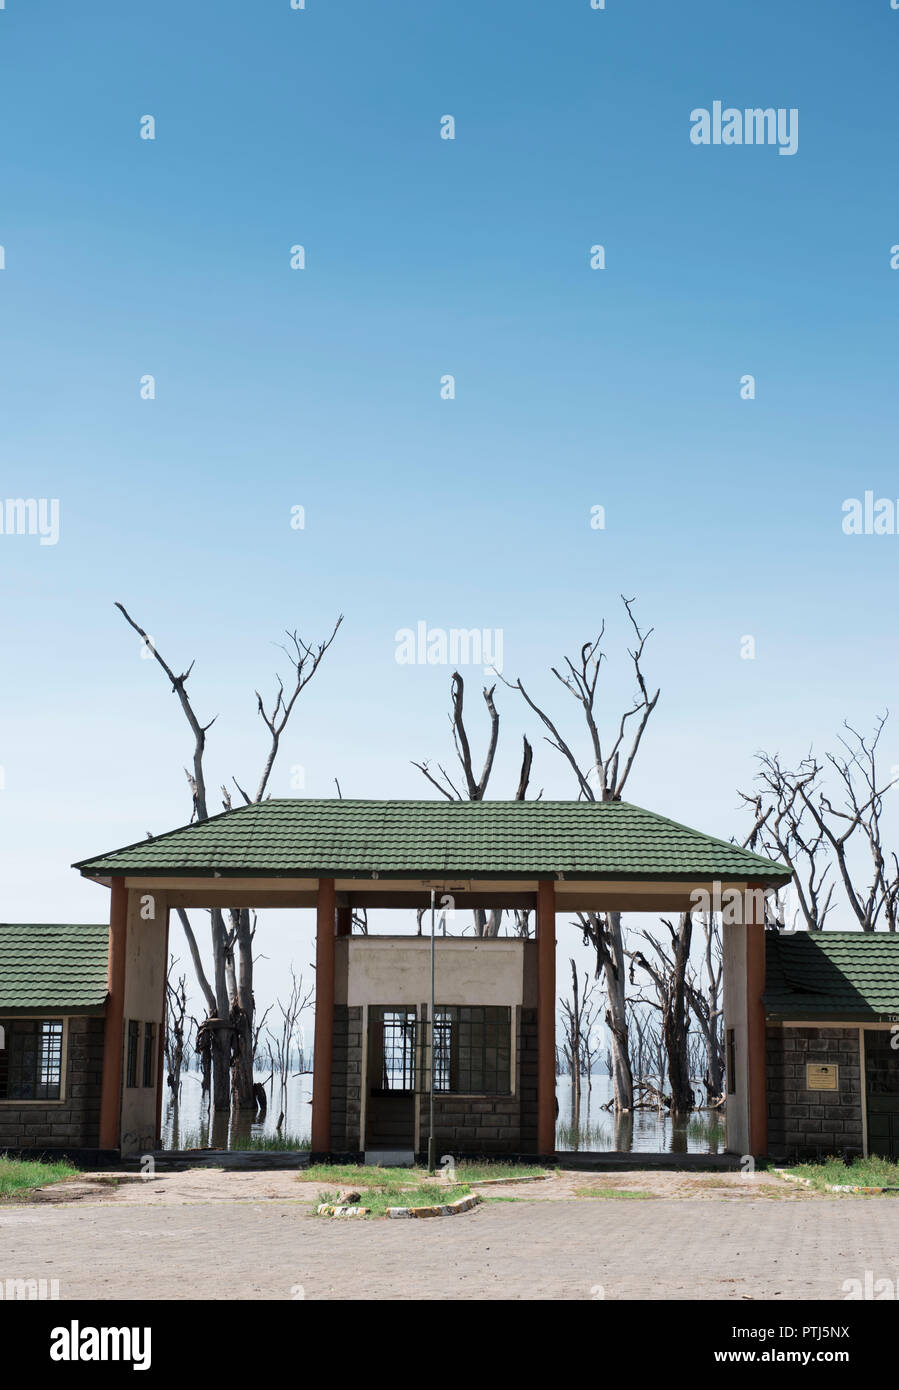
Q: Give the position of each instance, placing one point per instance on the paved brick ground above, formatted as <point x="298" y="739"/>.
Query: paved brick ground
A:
<point x="562" y="1247"/>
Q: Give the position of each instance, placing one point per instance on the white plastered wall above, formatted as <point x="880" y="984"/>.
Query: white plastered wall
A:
<point x="469" y="970"/>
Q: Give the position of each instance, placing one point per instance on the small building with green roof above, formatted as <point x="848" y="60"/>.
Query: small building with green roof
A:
<point x="53" y="990"/>
<point x="832" y="1012"/>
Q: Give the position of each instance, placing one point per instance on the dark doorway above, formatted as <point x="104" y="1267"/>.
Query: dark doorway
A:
<point x="390" y="1117"/>
<point x="882" y="1092"/>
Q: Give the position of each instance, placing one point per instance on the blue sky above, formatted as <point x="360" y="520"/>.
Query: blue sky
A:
<point x="321" y="388"/>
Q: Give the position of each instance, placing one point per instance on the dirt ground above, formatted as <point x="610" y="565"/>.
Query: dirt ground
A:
<point x="205" y="1233"/>
<point x="215" y="1185"/>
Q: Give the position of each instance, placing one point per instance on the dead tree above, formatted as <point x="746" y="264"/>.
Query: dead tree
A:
<point x="783" y="828"/>
<point x="637" y="1037"/>
<point x="815" y="831"/>
<point x="647" y="1055"/>
<point x="706" y="1001"/>
<point x="281" y="1044"/>
<point x="667" y="969"/>
<point x="175" y="1016"/>
<point x="475" y="787"/>
<point x="226" y="1037"/>
<point x="579" y="1016"/>
<point x="203" y="1054"/>
<point x="604" y="780"/>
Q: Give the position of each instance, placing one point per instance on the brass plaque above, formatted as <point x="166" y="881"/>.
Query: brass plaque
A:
<point x="822" y="1076"/>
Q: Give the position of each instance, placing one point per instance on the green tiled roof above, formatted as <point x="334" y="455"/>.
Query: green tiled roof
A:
<point x="831" y="974"/>
<point x="52" y="966"/>
<point x="524" y="839"/>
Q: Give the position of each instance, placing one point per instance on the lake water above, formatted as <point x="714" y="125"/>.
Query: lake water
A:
<point x="646" y="1131"/>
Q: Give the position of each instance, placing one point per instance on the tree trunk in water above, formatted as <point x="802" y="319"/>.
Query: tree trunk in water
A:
<point x="575" y="1051"/>
<point x="675" y="1022"/>
<point x="242" y="1080"/>
<point x="221" y="1031"/>
<point x="218" y="1133"/>
<point x="221" y="1068"/>
<point x="616" y="1014"/>
<point x="713" y="1051"/>
<point x="624" y="1131"/>
<point x="682" y="1099"/>
<point x="242" y="1016"/>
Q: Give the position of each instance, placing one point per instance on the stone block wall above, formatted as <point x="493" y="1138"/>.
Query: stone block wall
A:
<point x="464" y="1124"/>
<point x="491" y="1124"/>
<point x="811" y="1124"/>
<point x="527" y="1079"/>
<point x="73" y="1123"/>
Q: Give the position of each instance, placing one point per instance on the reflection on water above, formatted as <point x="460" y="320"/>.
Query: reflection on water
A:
<point x="644" y="1131"/>
<point x="192" y="1124"/>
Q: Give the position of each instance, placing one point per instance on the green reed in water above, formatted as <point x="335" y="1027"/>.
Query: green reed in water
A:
<point x="252" y="1143"/>
<point x="708" y="1127"/>
<point x="573" y="1137"/>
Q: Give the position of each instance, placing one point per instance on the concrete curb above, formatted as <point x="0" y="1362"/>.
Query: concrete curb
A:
<point x="832" y="1186"/>
<point x="325" y="1209"/>
<point x="446" y="1209"/>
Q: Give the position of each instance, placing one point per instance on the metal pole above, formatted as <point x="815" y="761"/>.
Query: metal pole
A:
<point x="432" y="1143"/>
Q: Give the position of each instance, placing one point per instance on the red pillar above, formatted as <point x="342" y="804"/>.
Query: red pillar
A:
<point x="114" y="1038"/>
<point x="756" y="1051"/>
<point x="546" y="1017"/>
<point x="324" y="1017"/>
<point x="160" y="1066"/>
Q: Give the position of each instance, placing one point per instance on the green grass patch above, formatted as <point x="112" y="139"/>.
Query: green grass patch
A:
<point x="624" y="1194"/>
<point x="353" y="1175"/>
<point x="484" y="1172"/>
<point x="358" y="1176"/>
<point x="861" y="1172"/>
<point x="19" y="1176"/>
<point x="425" y="1194"/>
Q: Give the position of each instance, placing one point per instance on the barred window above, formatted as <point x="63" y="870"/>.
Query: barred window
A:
<point x="149" y="1078"/>
<point x="131" y="1056"/>
<point x="394" y="1038"/>
<point x="30" y="1059"/>
<point x="472" y="1049"/>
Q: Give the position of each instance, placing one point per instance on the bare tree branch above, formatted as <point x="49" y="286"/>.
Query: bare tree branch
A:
<point x="199" y="730"/>
<point x="305" y="661"/>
